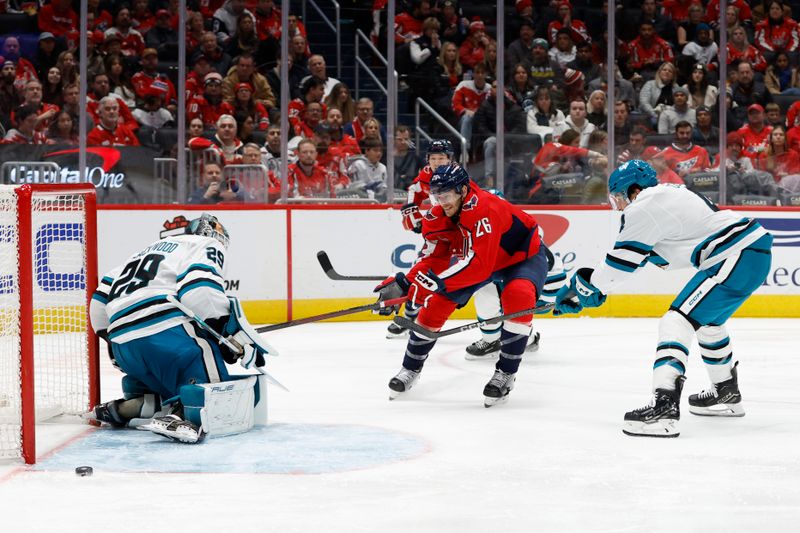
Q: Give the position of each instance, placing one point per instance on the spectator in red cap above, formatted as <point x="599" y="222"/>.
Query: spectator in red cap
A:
<point x="473" y="49"/>
<point x="162" y="37"/>
<point x="755" y="134"/>
<point x="57" y="17"/>
<point x="576" y="28"/>
<point x="111" y="131"/>
<point x="132" y="42"/>
<point x="149" y="76"/>
<point x="735" y="160"/>
<point x="244" y="103"/>
<point x="408" y="24"/>
<point x="778" y="159"/>
<point x="152" y="116"/>
<point x="209" y="106"/>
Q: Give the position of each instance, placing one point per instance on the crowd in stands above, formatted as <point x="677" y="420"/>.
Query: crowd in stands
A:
<point x="667" y="89"/>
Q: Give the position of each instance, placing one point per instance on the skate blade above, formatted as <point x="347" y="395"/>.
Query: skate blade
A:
<point x="403" y="335"/>
<point x="723" y="409"/>
<point x="494" y="356"/>
<point x="491" y="402"/>
<point x="534" y="345"/>
<point x="658" y="429"/>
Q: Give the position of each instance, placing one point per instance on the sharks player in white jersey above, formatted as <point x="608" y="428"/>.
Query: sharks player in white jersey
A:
<point x="673" y="227"/>
<point x="165" y="355"/>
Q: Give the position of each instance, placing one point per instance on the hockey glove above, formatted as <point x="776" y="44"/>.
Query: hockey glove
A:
<point x="423" y="287"/>
<point x="389" y="289"/>
<point x="587" y="294"/>
<point x="412" y="218"/>
<point x="252" y="356"/>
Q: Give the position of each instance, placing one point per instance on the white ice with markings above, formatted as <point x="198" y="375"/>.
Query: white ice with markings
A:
<point x="340" y="457"/>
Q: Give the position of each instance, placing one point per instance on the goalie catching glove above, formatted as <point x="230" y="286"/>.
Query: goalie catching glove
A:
<point x="238" y="331"/>
<point x="578" y="293"/>
<point x="412" y="218"/>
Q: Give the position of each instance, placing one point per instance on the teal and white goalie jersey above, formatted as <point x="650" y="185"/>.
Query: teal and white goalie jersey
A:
<point x="131" y="300"/>
<point x="673" y="227"/>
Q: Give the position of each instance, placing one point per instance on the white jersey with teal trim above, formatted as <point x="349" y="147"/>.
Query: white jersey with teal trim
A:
<point x="131" y="300"/>
<point x="673" y="227"/>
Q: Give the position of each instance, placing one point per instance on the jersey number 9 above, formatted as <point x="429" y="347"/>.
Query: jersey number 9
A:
<point x="135" y="275"/>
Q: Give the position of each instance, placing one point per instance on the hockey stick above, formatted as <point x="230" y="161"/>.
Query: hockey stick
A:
<point x="404" y="322"/>
<point x="327" y="267"/>
<point x="333" y="314"/>
<point x="222" y="340"/>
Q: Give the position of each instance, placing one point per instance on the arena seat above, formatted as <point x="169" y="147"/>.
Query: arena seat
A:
<point x="753" y="199"/>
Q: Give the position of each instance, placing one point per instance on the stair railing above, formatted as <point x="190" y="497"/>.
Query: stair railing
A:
<point x="335" y="27"/>
<point x="439" y="118"/>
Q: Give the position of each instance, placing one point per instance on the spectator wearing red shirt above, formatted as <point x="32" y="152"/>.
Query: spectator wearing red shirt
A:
<point x="473" y="49"/>
<point x="577" y="29"/>
<point x="142" y="19"/>
<point x="740" y="49"/>
<point x="311" y="90"/>
<point x="306" y="177"/>
<point x="45" y="113"/>
<point x="408" y="25"/>
<point x="755" y="133"/>
<point x="648" y="51"/>
<point x="564" y="156"/>
<point x="777" y="33"/>
<point x="778" y="159"/>
<point x="100" y="89"/>
<point x="209" y="106"/>
<point x="664" y="174"/>
<point x="268" y="20"/>
<point x="678" y="10"/>
<point x="330" y="158"/>
<point x="467" y="98"/>
<point x="25" y="71"/>
<point x="58" y="17"/>
<point x="25" y="132"/>
<point x="132" y="42"/>
<point x="682" y="156"/>
<point x="195" y="79"/>
<point x="743" y="9"/>
<point x="110" y="131"/>
<point x="228" y="147"/>
<point x="102" y="18"/>
<point x="244" y="103"/>
<point x="149" y="77"/>
<point x="344" y="143"/>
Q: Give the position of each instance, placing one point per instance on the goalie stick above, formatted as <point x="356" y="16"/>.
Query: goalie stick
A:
<point x="333" y="314"/>
<point x="327" y="267"/>
<point x="404" y="322"/>
<point x="222" y="340"/>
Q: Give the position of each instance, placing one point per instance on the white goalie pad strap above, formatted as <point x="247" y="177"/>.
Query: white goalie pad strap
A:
<point x="247" y="333"/>
<point x="229" y="406"/>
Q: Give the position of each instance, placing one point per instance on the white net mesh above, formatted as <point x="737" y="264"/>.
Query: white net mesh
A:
<point x="61" y="344"/>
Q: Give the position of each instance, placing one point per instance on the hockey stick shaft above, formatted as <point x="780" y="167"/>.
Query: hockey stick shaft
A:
<point x="404" y="322"/>
<point x="333" y="314"/>
<point x="327" y="267"/>
<point x="220" y="339"/>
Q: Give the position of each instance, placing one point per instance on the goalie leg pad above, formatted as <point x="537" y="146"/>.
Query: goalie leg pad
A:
<point x="226" y="407"/>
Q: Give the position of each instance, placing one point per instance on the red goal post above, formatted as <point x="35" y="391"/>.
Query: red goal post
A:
<point x="48" y="271"/>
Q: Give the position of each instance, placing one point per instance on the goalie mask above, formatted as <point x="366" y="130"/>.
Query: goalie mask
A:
<point x="208" y="226"/>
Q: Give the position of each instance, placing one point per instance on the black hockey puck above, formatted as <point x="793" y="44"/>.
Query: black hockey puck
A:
<point x="84" y="471"/>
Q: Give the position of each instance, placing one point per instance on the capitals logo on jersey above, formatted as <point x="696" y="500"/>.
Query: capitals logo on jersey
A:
<point x="685" y="165"/>
<point x="470" y="204"/>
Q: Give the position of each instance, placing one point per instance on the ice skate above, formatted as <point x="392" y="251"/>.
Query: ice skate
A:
<point x="108" y="414"/>
<point x="660" y="417"/>
<point x="396" y="332"/>
<point x="497" y="390"/>
<point x="481" y="349"/>
<point x="175" y="428"/>
<point x="721" y="399"/>
<point x="402" y="382"/>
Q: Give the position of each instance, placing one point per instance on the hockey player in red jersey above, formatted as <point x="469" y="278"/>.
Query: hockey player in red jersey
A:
<point x="472" y="238"/>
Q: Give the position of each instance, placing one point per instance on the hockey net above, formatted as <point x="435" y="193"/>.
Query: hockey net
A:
<point x="48" y="354"/>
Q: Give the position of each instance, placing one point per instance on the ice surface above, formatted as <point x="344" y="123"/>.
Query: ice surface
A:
<point x="552" y="459"/>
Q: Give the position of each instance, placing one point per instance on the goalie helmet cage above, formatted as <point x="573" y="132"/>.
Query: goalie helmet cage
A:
<point x="48" y="271"/>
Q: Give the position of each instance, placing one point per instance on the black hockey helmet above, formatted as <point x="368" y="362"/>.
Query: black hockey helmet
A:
<point x="441" y="146"/>
<point x="448" y="178"/>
